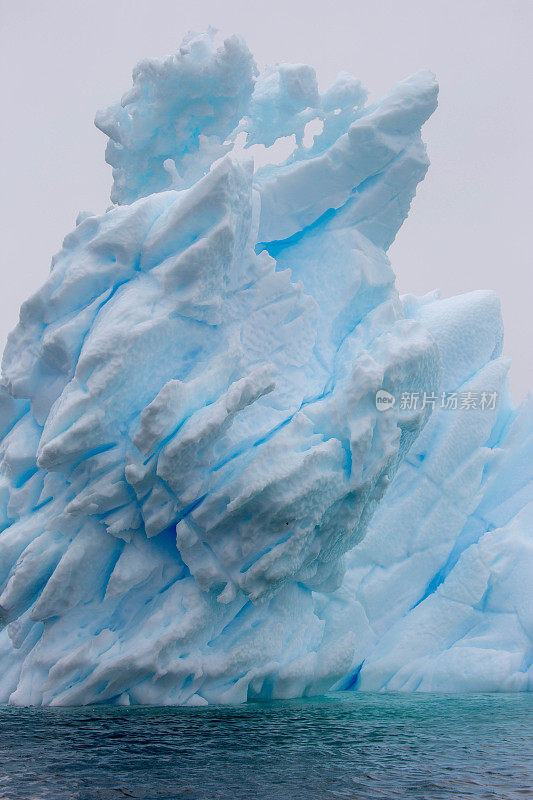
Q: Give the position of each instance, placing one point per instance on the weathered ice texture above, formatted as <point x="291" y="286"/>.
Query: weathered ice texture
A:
<point x="191" y="452"/>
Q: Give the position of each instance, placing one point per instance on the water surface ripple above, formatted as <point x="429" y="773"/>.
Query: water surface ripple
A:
<point x="349" y="745"/>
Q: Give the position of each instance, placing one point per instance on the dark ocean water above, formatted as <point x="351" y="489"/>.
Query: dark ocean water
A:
<point x="355" y="746"/>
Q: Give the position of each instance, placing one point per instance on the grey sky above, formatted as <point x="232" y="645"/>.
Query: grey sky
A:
<point x="471" y="223"/>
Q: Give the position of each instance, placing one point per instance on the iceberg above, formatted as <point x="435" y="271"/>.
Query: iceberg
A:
<point x="217" y="481"/>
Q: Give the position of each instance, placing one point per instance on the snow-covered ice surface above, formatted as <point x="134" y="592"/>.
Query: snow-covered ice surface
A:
<point x="199" y="499"/>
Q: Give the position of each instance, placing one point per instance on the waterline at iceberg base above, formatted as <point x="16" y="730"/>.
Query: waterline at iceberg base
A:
<point x="201" y="498"/>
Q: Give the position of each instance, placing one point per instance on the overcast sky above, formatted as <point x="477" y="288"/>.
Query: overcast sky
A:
<point x="471" y="223"/>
